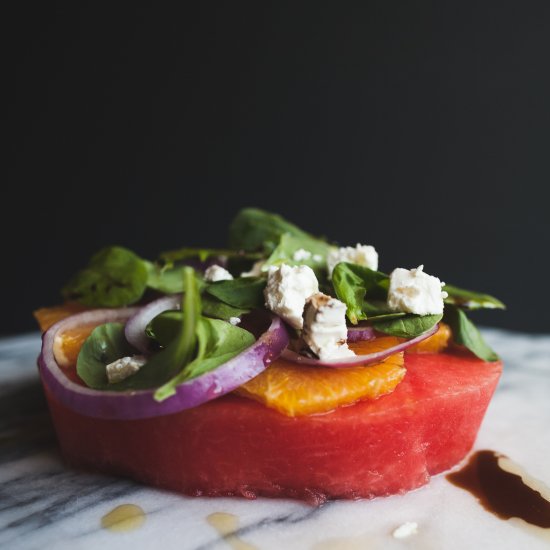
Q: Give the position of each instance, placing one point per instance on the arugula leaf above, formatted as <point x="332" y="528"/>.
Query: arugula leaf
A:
<point x="242" y="293"/>
<point x="114" y="277"/>
<point x="218" y="342"/>
<point x="165" y="279"/>
<point x="409" y="326"/>
<point x="466" y="333"/>
<point x="105" y="344"/>
<point x="470" y="299"/>
<point x="353" y="283"/>
<point x="290" y="244"/>
<point x="253" y="229"/>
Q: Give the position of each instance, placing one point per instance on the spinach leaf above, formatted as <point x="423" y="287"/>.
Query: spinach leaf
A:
<point x="212" y="307"/>
<point x="242" y="293"/>
<point x="290" y="244"/>
<point x="354" y="283"/>
<point x="408" y="326"/>
<point x="470" y="299"/>
<point x="114" y="277"/>
<point x="203" y="254"/>
<point x="466" y="333"/>
<point x="253" y="229"/>
<point x="105" y="344"/>
<point x="165" y="279"/>
<point x="218" y="342"/>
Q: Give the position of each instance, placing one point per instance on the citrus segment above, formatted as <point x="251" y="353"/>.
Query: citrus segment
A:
<point x="435" y="343"/>
<point x="67" y="344"/>
<point x="297" y="390"/>
<point x="48" y="316"/>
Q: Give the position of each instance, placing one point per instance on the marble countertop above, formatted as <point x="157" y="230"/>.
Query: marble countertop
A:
<point x="43" y="504"/>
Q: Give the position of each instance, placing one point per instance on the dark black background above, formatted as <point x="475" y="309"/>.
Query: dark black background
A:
<point x="420" y="127"/>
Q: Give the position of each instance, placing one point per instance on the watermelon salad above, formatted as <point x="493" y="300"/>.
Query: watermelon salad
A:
<point x="283" y="365"/>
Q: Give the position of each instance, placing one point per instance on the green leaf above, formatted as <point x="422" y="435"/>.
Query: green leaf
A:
<point x="354" y="284"/>
<point x="114" y="277"/>
<point x="290" y="244"/>
<point x="168" y="280"/>
<point x="409" y="326"/>
<point x="466" y="334"/>
<point x="470" y="299"/>
<point x="105" y="344"/>
<point x="254" y="229"/>
<point x="242" y="293"/>
<point x="202" y="254"/>
<point x="218" y="342"/>
<point x="212" y="307"/>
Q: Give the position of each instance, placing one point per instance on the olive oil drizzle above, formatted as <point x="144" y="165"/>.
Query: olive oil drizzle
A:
<point x="124" y="518"/>
<point x="500" y="491"/>
<point x="226" y="525"/>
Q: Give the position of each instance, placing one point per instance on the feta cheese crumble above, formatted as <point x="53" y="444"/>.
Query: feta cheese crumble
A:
<point x="325" y="330"/>
<point x="255" y="271"/>
<point x="124" y="367"/>
<point x="288" y="288"/>
<point x="406" y="530"/>
<point x="216" y="273"/>
<point x="362" y="254"/>
<point x="301" y="254"/>
<point x="413" y="291"/>
<point x="234" y="321"/>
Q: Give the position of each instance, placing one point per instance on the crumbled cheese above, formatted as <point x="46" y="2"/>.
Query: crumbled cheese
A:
<point x="317" y="258"/>
<point x="255" y="271"/>
<point x="123" y="368"/>
<point x="406" y="530"/>
<point x="414" y="291"/>
<point x="325" y="330"/>
<point x="287" y="290"/>
<point x="365" y="255"/>
<point x="300" y="255"/>
<point x="234" y="320"/>
<point x="216" y="273"/>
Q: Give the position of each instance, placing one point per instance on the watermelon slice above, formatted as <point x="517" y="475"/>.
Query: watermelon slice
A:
<point x="236" y="446"/>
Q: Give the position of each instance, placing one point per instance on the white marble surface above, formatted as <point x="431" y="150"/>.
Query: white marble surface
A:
<point x="45" y="505"/>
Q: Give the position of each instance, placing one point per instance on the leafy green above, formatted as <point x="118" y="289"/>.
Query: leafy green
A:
<point x="242" y="293"/>
<point x="165" y="279"/>
<point x="218" y="342"/>
<point x="253" y="229"/>
<point x="114" y="277"/>
<point x="202" y="254"/>
<point x="354" y="283"/>
<point x="165" y="327"/>
<point x="290" y="244"/>
<point x="212" y="307"/>
<point x="105" y="344"/>
<point x="409" y="326"/>
<point x="470" y="299"/>
<point x="466" y="334"/>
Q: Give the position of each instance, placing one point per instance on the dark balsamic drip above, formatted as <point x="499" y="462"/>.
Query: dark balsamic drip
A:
<point x="500" y="492"/>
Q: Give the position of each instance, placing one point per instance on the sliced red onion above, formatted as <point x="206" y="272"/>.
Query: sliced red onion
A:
<point x="367" y="359"/>
<point x="137" y="323"/>
<point x="131" y="405"/>
<point x="360" y="333"/>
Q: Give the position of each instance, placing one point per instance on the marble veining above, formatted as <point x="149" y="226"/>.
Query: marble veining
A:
<point x="43" y="504"/>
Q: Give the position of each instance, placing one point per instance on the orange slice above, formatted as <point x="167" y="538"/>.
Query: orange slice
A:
<point x="48" y="316"/>
<point x="297" y="390"/>
<point x="434" y="344"/>
<point x="66" y="346"/>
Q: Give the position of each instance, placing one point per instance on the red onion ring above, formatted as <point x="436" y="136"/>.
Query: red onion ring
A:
<point x="133" y="405"/>
<point x="137" y="323"/>
<point x="360" y="333"/>
<point x="367" y="359"/>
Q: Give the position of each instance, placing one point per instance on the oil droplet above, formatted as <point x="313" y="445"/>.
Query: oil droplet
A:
<point x="226" y="525"/>
<point x="123" y="518"/>
<point x="504" y="489"/>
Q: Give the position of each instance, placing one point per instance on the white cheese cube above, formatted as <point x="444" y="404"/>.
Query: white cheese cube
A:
<point x="124" y="367"/>
<point x="413" y="291"/>
<point x="325" y="330"/>
<point x="234" y="321"/>
<point x="287" y="290"/>
<point x="216" y="273"/>
<point x="364" y="255"/>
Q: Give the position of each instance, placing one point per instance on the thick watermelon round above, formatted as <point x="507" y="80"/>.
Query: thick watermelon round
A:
<point x="236" y="446"/>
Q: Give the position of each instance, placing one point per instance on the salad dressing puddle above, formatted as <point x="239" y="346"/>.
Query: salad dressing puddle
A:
<point x="226" y="525"/>
<point x="123" y="518"/>
<point x="503" y="488"/>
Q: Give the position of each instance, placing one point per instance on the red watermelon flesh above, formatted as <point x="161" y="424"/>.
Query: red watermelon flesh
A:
<point x="236" y="446"/>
